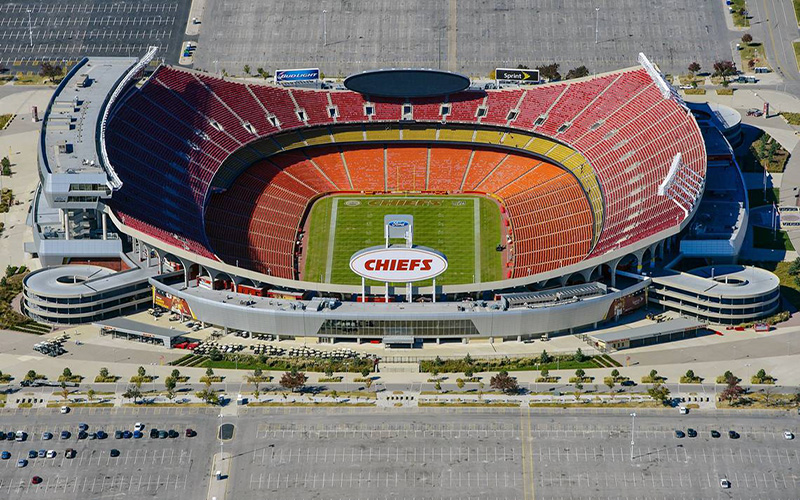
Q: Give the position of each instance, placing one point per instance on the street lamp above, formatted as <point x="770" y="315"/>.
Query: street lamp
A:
<point x="633" y="427"/>
<point x="596" y="23"/>
<point x="324" y="28"/>
<point x="30" y="26"/>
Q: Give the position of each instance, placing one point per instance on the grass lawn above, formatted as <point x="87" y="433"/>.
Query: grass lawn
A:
<point x="695" y="91"/>
<point x="725" y="91"/>
<point x="796" y="46"/>
<point x="754" y="51"/>
<point x="756" y="197"/>
<point x="764" y="238"/>
<point x="791" y="118"/>
<point x="4" y="119"/>
<point x="790" y="290"/>
<point x="444" y="223"/>
<point x="738" y="19"/>
<point x="758" y="157"/>
<point x="796" y="10"/>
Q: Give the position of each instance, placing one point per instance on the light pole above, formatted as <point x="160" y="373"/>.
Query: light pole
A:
<point x="596" y="24"/>
<point x="324" y="28"/>
<point x="30" y="27"/>
<point x="633" y="427"/>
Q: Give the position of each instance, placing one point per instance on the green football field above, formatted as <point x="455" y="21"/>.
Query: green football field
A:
<point x="342" y="225"/>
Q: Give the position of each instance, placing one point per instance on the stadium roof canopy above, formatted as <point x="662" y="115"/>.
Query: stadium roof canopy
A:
<point x="406" y="82"/>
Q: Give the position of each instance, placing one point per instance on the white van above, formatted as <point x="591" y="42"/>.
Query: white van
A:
<point x="20" y="436"/>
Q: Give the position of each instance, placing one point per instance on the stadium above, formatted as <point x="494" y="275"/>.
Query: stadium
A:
<point x="240" y="203"/>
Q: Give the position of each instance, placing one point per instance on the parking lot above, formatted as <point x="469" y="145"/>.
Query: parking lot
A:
<point x="156" y="468"/>
<point x="63" y="32"/>
<point x="514" y="454"/>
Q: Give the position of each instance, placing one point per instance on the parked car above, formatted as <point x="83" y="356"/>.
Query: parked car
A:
<point x="162" y="434"/>
<point x="36" y="480"/>
<point x="70" y="453"/>
<point x="127" y="434"/>
<point x="724" y="483"/>
<point x="715" y="434"/>
<point x="173" y="433"/>
<point x="190" y="433"/>
<point x="47" y="436"/>
<point x="32" y="454"/>
<point x="137" y="434"/>
<point x="92" y="435"/>
<point x="51" y="453"/>
<point x="788" y="435"/>
<point x="153" y="433"/>
<point x="138" y="426"/>
<point x="22" y="462"/>
<point x="83" y="427"/>
<point x="64" y="410"/>
<point x="117" y="434"/>
<point x="101" y="435"/>
<point x="683" y="410"/>
<point x="65" y="434"/>
<point x="5" y="455"/>
<point x="42" y="453"/>
<point x="114" y="452"/>
<point x="733" y="434"/>
<point x="679" y="434"/>
<point x="691" y="432"/>
<point x="83" y="435"/>
<point x="10" y="436"/>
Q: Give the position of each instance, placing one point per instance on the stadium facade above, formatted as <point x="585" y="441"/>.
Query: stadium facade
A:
<point x="197" y="187"/>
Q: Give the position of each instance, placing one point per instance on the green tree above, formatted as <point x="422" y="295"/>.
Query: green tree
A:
<point x="579" y="356"/>
<point x="468" y="373"/>
<point x="438" y="386"/>
<point x="209" y="372"/>
<point x="214" y="354"/>
<point x="659" y="392"/>
<point x="579" y="72"/>
<point x="615" y="374"/>
<point x="67" y="374"/>
<point x="176" y="374"/>
<point x="209" y="396"/>
<point x="545" y="373"/>
<point x="170" y="383"/>
<point x="365" y="372"/>
<point x="545" y="358"/>
<point x="549" y="71"/>
<point x="579" y="374"/>
<point x="104" y="373"/>
<point x="247" y="69"/>
<point x="256" y="379"/>
<point x="460" y="383"/>
<point x="31" y="376"/>
<point x="761" y="375"/>
<point x="6" y="164"/>
<point x="690" y="375"/>
<point x="141" y="371"/>
<point x="91" y="394"/>
<point x="468" y="359"/>
<point x="653" y="375"/>
<point x="610" y="382"/>
<point x="133" y="392"/>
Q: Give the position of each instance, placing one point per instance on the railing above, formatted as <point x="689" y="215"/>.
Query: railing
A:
<point x="116" y="183"/>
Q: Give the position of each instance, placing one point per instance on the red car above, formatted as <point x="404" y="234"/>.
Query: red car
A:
<point x="36" y="480"/>
<point x="190" y="433"/>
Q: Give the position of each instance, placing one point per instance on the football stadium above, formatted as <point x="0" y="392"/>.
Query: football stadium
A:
<point x="398" y="206"/>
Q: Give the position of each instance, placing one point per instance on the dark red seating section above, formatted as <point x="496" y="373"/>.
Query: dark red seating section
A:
<point x="168" y="139"/>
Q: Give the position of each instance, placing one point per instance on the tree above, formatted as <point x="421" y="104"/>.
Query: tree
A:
<point x="91" y="394"/>
<point x="724" y="69"/>
<point x="31" y="376"/>
<point x="247" y="69"/>
<point x="170" y="383"/>
<point x="653" y="375"/>
<point x="610" y="382"/>
<point x="176" y="374"/>
<point x="659" y="392"/>
<point x="469" y="373"/>
<point x="365" y="372"/>
<point x="503" y="382"/>
<point x="545" y="358"/>
<point x="368" y="384"/>
<point x="293" y="380"/>
<point x="67" y="374"/>
<point x="468" y="359"/>
<point x="578" y="72"/>
<point x="579" y="356"/>
<point x="6" y="164"/>
<point x="690" y="375"/>
<point x="47" y="70"/>
<point x="545" y="373"/>
<point x="549" y="71"/>
<point x="437" y="385"/>
<point x="733" y="391"/>
<point x="209" y="396"/>
<point x="615" y="374"/>
<point x="256" y="379"/>
<point x="104" y="373"/>
<point x="329" y="370"/>
<point x="747" y="38"/>
<point x="132" y="392"/>
<point x="694" y="67"/>
<point x="579" y="374"/>
<point x="64" y="391"/>
<point x="214" y="354"/>
<point x="141" y="371"/>
<point x="209" y="372"/>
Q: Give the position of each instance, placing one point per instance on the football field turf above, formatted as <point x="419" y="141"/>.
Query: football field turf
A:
<point x="447" y="224"/>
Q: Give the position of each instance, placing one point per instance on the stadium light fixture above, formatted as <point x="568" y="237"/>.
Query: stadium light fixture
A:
<point x="596" y="24"/>
<point x="30" y="26"/>
<point x="324" y="28"/>
<point x="633" y="428"/>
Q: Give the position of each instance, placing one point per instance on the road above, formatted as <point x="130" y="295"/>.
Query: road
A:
<point x="774" y="23"/>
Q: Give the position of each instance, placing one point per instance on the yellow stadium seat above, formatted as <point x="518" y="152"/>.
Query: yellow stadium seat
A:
<point x="419" y="133"/>
<point x="348" y="134"/>
<point x="383" y="132"/>
<point x="456" y="134"/>
<point x="317" y="136"/>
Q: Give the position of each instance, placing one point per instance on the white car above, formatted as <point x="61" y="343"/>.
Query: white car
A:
<point x="788" y="435"/>
<point x="64" y="409"/>
<point x="138" y="426"/>
<point x="683" y="410"/>
<point x="51" y="454"/>
<point x="724" y="483"/>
